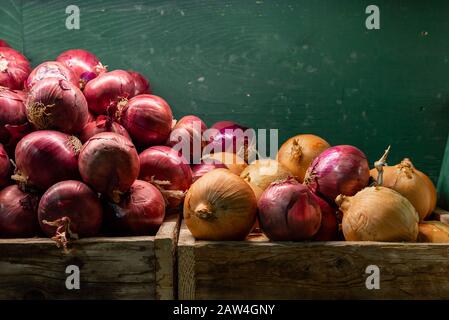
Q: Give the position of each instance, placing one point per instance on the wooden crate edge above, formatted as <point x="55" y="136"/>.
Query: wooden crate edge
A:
<point x="186" y="264"/>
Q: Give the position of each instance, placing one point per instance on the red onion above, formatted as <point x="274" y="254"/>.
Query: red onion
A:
<point x="329" y="224"/>
<point x="110" y="89"/>
<point x="50" y="69"/>
<point x="14" y="68"/>
<point x="148" y="120"/>
<point x="45" y="157"/>
<point x="5" y="168"/>
<point x="169" y="170"/>
<point x="57" y="104"/>
<point x="338" y="170"/>
<point x="189" y="129"/>
<point x="13" y="119"/>
<point x="84" y="64"/>
<point x="140" y="212"/>
<point x="91" y="117"/>
<point x="18" y="213"/>
<point x="102" y="124"/>
<point x="68" y="210"/>
<point x="201" y="169"/>
<point x="231" y="138"/>
<point x="109" y="163"/>
<point x="141" y="84"/>
<point x="288" y="212"/>
<point x="3" y="43"/>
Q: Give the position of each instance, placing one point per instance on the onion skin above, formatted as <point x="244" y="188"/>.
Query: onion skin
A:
<point x="139" y="213"/>
<point x="3" y="43"/>
<point x="262" y="173"/>
<point x="14" y="68"/>
<point x="220" y="206"/>
<point x="412" y="184"/>
<point x="13" y="119"/>
<point x="148" y="120"/>
<point x="57" y="104"/>
<point x="82" y="62"/>
<point x="50" y="69"/>
<point x="110" y="89"/>
<point x="298" y="152"/>
<point x="199" y="170"/>
<point x="329" y="225"/>
<point x="46" y="157"/>
<point x="378" y="214"/>
<point x="234" y="163"/>
<point x="109" y="163"/>
<point x="288" y="212"/>
<point x="102" y="124"/>
<point x="228" y="137"/>
<point x="18" y="213"/>
<point x="164" y="164"/>
<point x="434" y="232"/>
<point x="338" y="170"/>
<point x="141" y="84"/>
<point x="5" y="168"/>
<point x="75" y="200"/>
<point x="192" y="128"/>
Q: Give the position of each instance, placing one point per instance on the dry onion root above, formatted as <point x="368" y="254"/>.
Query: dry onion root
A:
<point x="297" y="153"/>
<point x="378" y="214"/>
<point x="220" y="206"/>
<point x="412" y="184"/>
<point x="262" y="173"/>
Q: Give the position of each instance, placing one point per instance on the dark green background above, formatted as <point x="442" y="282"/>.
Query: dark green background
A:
<point x="300" y="66"/>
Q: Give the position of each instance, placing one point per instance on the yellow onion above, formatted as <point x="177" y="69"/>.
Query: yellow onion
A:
<point x="220" y="206"/>
<point x="258" y="193"/>
<point x="378" y="214"/>
<point x="298" y="152"/>
<point x="412" y="184"/>
<point x="234" y="163"/>
<point x="262" y="173"/>
<point x="433" y="231"/>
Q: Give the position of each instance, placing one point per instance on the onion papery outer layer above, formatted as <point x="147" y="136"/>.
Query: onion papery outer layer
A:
<point x="338" y="170"/>
<point x="231" y="138"/>
<point x="234" y="163"/>
<point x="18" y="213"/>
<point x="3" y="43"/>
<point x="46" y="157"/>
<point x="110" y="89"/>
<point x="82" y="63"/>
<point x="297" y="153"/>
<point x="412" y="184"/>
<point x="378" y="214"/>
<point x="57" y="105"/>
<point x="109" y="163"/>
<point x="264" y="172"/>
<point x="329" y="224"/>
<point x="220" y="206"/>
<point x="148" y="120"/>
<point x="5" y="168"/>
<point x="141" y="84"/>
<point x="102" y="124"/>
<point x="50" y="69"/>
<point x="140" y="212"/>
<point x="68" y="210"/>
<point x="14" y="68"/>
<point x="169" y="170"/>
<point x="188" y="132"/>
<point x="199" y="170"/>
<point x="288" y="212"/>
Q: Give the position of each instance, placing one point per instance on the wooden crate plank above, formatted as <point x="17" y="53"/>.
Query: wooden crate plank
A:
<point x="186" y="264"/>
<point x="165" y="251"/>
<point x="110" y="267"/>
<point x="259" y="269"/>
<point x="296" y="65"/>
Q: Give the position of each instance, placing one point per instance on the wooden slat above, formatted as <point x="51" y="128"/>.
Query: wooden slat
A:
<point x="186" y="265"/>
<point x="110" y="268"/>
<point x="165" y="251"/>
<point x="259" y="269"/>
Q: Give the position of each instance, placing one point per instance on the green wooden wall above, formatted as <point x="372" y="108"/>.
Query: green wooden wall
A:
<point x="300" y="66"/>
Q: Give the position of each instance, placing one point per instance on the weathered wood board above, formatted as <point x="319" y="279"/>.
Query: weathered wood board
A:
<point x="260" y="269"/>
<point x="296" y="65"/>
<point x="110" y="268"/>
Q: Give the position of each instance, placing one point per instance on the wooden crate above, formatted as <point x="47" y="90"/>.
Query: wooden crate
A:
<point x="110" y="268"/>
<point x="260" y="269"/>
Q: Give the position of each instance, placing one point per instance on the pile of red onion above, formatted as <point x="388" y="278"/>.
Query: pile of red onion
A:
<point x="102" y="124"/>
<point x="14" y="68"/>
<point x="50" y="69"/>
